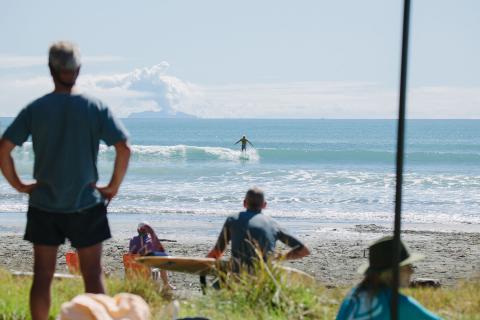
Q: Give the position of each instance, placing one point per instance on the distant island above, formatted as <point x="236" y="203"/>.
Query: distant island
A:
<point x="165" y="114"/>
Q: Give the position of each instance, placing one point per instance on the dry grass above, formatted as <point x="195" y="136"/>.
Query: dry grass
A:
<point x="265" y="296"/>
<point x="459" y="302"/>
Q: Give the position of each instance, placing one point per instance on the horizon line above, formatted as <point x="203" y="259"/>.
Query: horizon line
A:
<point x="208" y="118"/>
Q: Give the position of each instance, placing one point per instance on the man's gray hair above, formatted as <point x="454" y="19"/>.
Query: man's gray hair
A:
<point x="64" y="55"/>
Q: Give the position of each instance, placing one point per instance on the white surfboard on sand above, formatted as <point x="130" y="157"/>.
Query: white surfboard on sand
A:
<point x="55" y="275"/>
<point x="200" y="266"/>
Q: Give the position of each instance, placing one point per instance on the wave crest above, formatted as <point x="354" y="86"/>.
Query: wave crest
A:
<point x="276" y="155"/>
<point x="185" y="152"/>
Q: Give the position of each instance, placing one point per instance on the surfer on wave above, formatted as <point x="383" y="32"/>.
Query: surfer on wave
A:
<point x="244" y="142"/>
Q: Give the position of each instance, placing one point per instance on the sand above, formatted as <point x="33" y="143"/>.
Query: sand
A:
<point x="336" y="253"/>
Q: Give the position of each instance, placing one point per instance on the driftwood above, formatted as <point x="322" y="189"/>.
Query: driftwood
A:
<point x="425" y="282"/>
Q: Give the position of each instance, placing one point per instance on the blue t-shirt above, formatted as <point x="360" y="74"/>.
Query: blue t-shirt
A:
<point x="358" y="305"/>
<point x="249" y="229"/>
<point x="66" y="130"/>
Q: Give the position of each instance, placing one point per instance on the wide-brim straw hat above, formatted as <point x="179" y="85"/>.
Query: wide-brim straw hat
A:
<point x="380" y="256"/>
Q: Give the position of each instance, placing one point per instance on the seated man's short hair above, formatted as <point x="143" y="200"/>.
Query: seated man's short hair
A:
<point x="255" y="198"/>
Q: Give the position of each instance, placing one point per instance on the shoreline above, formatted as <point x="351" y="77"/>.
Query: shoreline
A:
<point x="337" y="250"/>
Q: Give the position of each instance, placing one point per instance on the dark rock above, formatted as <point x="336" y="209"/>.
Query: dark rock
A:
<point x="425" y="282"/>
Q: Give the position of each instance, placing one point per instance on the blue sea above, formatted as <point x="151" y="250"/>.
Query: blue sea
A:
<point x="339" y="171"/>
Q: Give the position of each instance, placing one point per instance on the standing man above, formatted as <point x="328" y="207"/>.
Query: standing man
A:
<point x="64" y="202"/>
<point x="244" y="142"/>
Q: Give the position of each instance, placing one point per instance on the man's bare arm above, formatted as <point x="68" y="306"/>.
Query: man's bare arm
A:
<point x="8" y="168"/>
<point x="221" y="245"/>
<point x="120" y="169"/>
<point x="296" y="253"/>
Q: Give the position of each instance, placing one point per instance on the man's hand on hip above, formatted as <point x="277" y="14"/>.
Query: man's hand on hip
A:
<point x="120" y="168"/>
<point x="7" y="167"/>
<point x="26" y="188"/>
<point x="107" y="192"/>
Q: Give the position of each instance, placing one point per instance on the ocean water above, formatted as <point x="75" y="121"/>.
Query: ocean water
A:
<point x="339" y="171"/>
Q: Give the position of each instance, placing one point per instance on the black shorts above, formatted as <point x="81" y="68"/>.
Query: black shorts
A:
<point x="84" y="228"/>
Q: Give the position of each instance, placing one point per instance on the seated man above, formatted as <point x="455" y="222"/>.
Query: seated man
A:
<point x="251" y="230"/>
<point x="146" y="243"/>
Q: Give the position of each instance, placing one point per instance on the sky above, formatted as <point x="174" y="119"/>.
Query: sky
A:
<point x="249" y="59"/>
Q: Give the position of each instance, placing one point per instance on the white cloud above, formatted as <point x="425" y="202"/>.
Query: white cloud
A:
<point x="334" y="100"/>
<point x="153" y="88"/>
<point x="143" y="89"/>
<point x="298" y="100"/>
<point x="16" y="93"/>
<point x="445" y="102"/>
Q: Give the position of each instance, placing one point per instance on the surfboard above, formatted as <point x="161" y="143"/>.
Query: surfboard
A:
<point x="200" y="266"/>
<point x="55" y="275"/>
<point x="295" y="275"/>
<point x="209" y="266"/>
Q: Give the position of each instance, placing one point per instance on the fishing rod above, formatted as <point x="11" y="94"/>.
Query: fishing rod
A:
<point x="400" y="160"/>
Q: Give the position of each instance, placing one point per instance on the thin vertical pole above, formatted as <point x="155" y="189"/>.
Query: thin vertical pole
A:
<point x="400" y="158"/>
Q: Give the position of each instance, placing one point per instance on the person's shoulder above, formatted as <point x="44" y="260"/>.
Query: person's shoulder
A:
<point x="415" y="309"/>
<point x="134" y="238"/>
<point x="91" y="101"/>
<point x="235" y="216"/>
<point x="351" y="294"/>
<point x="404" y="299"/>
<point x="247" y="214"/>
<point x="269" y="219"/>
<point x="348" y="305"/>
<point x="39" y="101"/>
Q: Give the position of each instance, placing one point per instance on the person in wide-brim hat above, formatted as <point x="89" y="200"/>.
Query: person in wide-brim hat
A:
<point x="380" y="256"/>
<point x="372" y="297"/>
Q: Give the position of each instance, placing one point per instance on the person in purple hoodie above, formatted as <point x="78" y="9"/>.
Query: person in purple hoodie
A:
<point x="146" y="243"/>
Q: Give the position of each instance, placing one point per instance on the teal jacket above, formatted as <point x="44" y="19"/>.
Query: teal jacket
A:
<point x="358" y="305"/>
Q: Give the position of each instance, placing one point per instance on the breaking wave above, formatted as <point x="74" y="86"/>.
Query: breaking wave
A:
<point x="152" y="153"/>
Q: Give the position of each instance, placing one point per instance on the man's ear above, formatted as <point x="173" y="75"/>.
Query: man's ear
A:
<point x="245" y="204"/>
<point x="264" y="205"/>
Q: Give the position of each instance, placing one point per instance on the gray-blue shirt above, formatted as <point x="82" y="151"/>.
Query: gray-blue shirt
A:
<point x="66" y="131"/>
<point x="249" y="230"/>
